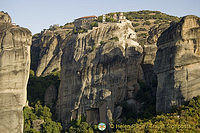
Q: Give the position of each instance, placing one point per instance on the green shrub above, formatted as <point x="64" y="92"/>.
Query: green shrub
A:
<point x="94" y="24"/>
<point x="42" y="113"/>
<point x="37" y="86"/>
<point x="135" y="24"/>
<point x="102" y="42"/>
<point x="144" y="35"/>
<point x="182" y="119"/>
<point x="100" y="18"/>
<point x="80" y="126"/>
<point x="147" y="23"/>
<point x="140" y="29"/>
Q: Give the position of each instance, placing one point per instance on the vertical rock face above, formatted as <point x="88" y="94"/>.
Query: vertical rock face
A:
<point x="46" y="51"/>
<point x="150" y="50"/>
<point x="99" y="69"/>
<point x="50" y="96"/>
<point x="177" y="63"/>
<point x="14" y="71"/>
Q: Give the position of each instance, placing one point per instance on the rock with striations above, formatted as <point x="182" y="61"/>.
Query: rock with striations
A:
<point x="177" y="63"/>
<point x="50" y="96"/>
<point x="149" y="51"/>
<point x="99" y="69"/>
<point x="4" y="17"/>
<point x="14" y="72"/>
<point x="46" y="51"/>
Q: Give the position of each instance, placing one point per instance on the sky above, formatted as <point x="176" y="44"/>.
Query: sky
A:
<point x="37" y="15"/>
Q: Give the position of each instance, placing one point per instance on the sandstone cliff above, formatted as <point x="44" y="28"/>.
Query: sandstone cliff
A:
<point x="14" y="72"/>
<point x="149" y="52"/>
<point x="99" y="70"/>
<point x="46" y="51"/>
<point x="177" y="63"/>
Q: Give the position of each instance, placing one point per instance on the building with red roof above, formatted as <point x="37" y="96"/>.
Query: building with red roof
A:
<point x="84" y="22"/>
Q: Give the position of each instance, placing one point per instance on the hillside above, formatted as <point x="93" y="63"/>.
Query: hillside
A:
<point x="143" y="21"/>
<point x="114" y="71"/>
<point x="47" y="45"/>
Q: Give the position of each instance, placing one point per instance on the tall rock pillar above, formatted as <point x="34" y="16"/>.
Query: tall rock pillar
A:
<point x="177" y="63"/>
<point x="14" y="73"/>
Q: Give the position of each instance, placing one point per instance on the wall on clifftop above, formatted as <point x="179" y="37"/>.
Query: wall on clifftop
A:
<point x="177" y="63"/>
<point x="99" y="70"/>
<point x="14" y="72"/>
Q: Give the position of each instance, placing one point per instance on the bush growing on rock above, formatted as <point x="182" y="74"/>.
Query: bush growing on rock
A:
<point x="42" y="115"/>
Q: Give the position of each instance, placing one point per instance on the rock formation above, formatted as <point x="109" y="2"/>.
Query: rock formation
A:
<point x="149" y="51"/>
<point x="14" y="72"/>
<point x="46" y="51"/>
<point x="99" y="69"/>
<point x="50" y="96"/>
<point x="4" y="17"/>
<point x="177" y="63"/>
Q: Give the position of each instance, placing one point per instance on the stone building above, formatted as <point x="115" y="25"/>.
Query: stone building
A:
<point x="121" y="17"/>
<point x="104" y="18"/>
<point x="84" y="22"/>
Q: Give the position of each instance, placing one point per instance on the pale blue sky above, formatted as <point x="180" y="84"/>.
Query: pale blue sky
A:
<point x="39" y="14"/>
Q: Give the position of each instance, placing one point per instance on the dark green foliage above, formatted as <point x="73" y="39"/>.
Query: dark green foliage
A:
<point x="75" y="30"/>
<point x="37" y="86"/>
<point x="100" y="18"/>
<point x="198" y="21"/>
<point x="110" y="19"/>
<point x="135" y="24"/>
<point x="36" y="91"/>
<point x="185" y="118"/>
<point x="80" y="126"/>
<point x="147" y="23"/>
<point x="144" y="35"/>
<point x="146" y="14"/>
<point x="94" y="24"/>
<point x="43" y="114"/>
<point x="102" y="42"/>
<point x="80" y="30"/>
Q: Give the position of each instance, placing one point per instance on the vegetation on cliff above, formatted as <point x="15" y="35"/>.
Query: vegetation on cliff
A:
<point x="39" y="119"/>
<point x="37" y="86"/>
<point x="143" y="21"/>
<point x="37" y="116"/>
<point x="185" y="118"/>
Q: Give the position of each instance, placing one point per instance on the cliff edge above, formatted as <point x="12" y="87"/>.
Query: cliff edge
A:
<point x="177" y="63"/>
<point x="14" y="72"/>
<point x="99" y="69"/>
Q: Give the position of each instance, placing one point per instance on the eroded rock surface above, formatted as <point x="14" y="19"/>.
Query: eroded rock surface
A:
<point x="177" y="63"/>
<point x="15" y="44"/>
<point x="50" y="96"/>
<point x="149" y="51"/>
<point x="4" y="17"/>
<point x="99" y="70"/>
<point x="46" y="51"/>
